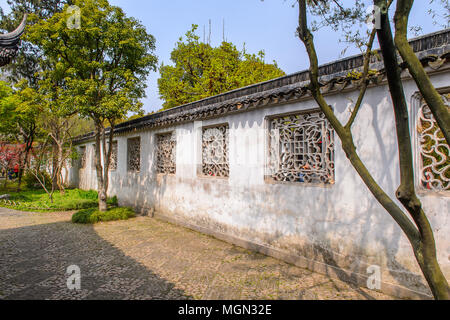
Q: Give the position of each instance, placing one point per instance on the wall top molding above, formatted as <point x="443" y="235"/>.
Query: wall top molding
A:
<point x="432" y="49"/>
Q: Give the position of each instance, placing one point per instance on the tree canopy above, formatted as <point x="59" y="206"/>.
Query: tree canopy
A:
<point x="201" y="71"/>
<point x="104" y="64"/>
<point x="97" y="71"/>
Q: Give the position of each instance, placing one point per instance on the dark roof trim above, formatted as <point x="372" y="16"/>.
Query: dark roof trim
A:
<point x="11" y="39"/>
<point x="9" y="43"/>
<point x="431" y="48"/>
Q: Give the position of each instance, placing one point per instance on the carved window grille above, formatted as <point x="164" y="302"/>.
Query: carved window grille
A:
<point x="166" y="153"/>
<point x="113" y="161"/>
<point x="82" y="158"/>
<point x="134" y="154"/>
<point x="434" y="160"/>
<point x="301" y="149"/>
<point x="93" y="162"/>
<point x="215" y="151"/>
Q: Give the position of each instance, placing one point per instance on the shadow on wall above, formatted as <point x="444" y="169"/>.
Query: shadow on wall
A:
<point x="36" y="266"/>
<point x="377" y="242"/>
<point x="374" y="224"/>
<point x="377" y="238"/>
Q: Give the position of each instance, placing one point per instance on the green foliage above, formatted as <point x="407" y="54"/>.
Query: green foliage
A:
<point x="19" y="111"/>
<point x="97" y="71"/>
<point x="81" y="126"/>
<point x="101" y="67"/>
<point x="10" y="187"/>
<point x="354" y="74"/>
<point x="38" y="200"/>
<point x="90" y="216"/>
<point x="113" y="201"/>
<point x="31" y="182"/>
<point x="201" y="71"/>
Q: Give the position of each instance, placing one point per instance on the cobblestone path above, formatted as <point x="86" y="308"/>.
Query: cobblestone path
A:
<point x="145" y="258"/>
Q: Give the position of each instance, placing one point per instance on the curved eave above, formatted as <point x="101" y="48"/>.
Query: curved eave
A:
<point x="11" y="39"/>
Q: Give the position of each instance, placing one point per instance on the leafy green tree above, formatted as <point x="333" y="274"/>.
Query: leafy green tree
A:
<point x="201" y="71"/>
<point x="31" y="64"/>
<point x="57" y="120"/>
<point x="105" y="64"/>
<point x="19" y="114"/>
<point x="27" y="63"/>
<point x="412" y="218"/>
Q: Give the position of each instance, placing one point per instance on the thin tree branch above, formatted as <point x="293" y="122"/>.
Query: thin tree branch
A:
<point x="345" y="135"/>
<point x="365" y="81"/>
<point x="432" y="97"/>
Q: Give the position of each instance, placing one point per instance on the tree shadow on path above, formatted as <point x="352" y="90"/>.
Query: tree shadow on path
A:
<point x="34" y="261"/>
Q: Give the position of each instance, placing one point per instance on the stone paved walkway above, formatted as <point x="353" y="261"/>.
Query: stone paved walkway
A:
<point x="145" y="258"/>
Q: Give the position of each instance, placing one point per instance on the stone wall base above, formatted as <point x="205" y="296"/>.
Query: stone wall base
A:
<point x="302" y="262"/>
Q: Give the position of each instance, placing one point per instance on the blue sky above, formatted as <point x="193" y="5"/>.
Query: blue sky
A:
<point x="269" y="25"/>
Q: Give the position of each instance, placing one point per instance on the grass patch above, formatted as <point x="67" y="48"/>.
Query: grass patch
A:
<point x="11" y="186"/>
<point x="89" y="216"/>
<point x="38" y="200"/>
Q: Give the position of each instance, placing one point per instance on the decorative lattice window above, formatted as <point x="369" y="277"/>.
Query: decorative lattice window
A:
<point x="82" y="158"/>
<point x="166" y="153"/>
<point x="134" y="154"/>
<point x="434" y="160"/>
<point x="93" y="162"/>
<point x="113" y="161"/>
<point x="301" y="148"/>
<point x="215" y="151"/>
<point x="68" y="163"/>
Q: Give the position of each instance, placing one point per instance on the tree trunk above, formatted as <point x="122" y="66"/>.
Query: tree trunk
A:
<point x="102" y="184"/>
<point x="406" y="193"/>
<point x="429" y="93"/>
<point x="24" y="164"/>
<point x="28" y="139"/>
<point x="102" y="205"/>
<point x="419" y="233"/>
<point x="55" y="160"/>
<point x="59" y="177"/>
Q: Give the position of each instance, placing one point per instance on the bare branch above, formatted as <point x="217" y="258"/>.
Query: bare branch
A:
<point x="364" y="80"/>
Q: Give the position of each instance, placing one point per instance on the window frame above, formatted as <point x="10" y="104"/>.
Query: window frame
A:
<point x="81" y="166"/>
<point x="117" y="156"/>
<point x="200" y="169"/>
<point x="156" y="156"/>
<point x="93" y="164"/>
<point x="268" y="174"/>
<point x="128" y="154"/>
<point x="416" y="105"/>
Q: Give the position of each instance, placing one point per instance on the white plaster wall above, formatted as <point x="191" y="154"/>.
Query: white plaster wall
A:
<point x="339" y="225"/>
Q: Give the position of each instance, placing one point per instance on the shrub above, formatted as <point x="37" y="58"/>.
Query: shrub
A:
<point x="89" y="194"/>
<point x="31" y="182"/>
<point x="89" y="216"/>
<point x="113" y="201"/>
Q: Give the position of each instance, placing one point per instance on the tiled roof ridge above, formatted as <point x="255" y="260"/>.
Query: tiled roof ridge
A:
<point x="430" y="48"/>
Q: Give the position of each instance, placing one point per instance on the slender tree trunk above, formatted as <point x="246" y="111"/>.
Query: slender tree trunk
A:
<point x="429" y="93"/>
<point x="419" y="234"/>
<point x="102" y="197"/>
<point x="107" y="152"/>
<point x="24" y="163"/>
<point x="55" y="160"/>
<point x="425" y="252"/>
<point x="59" y="177"/>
